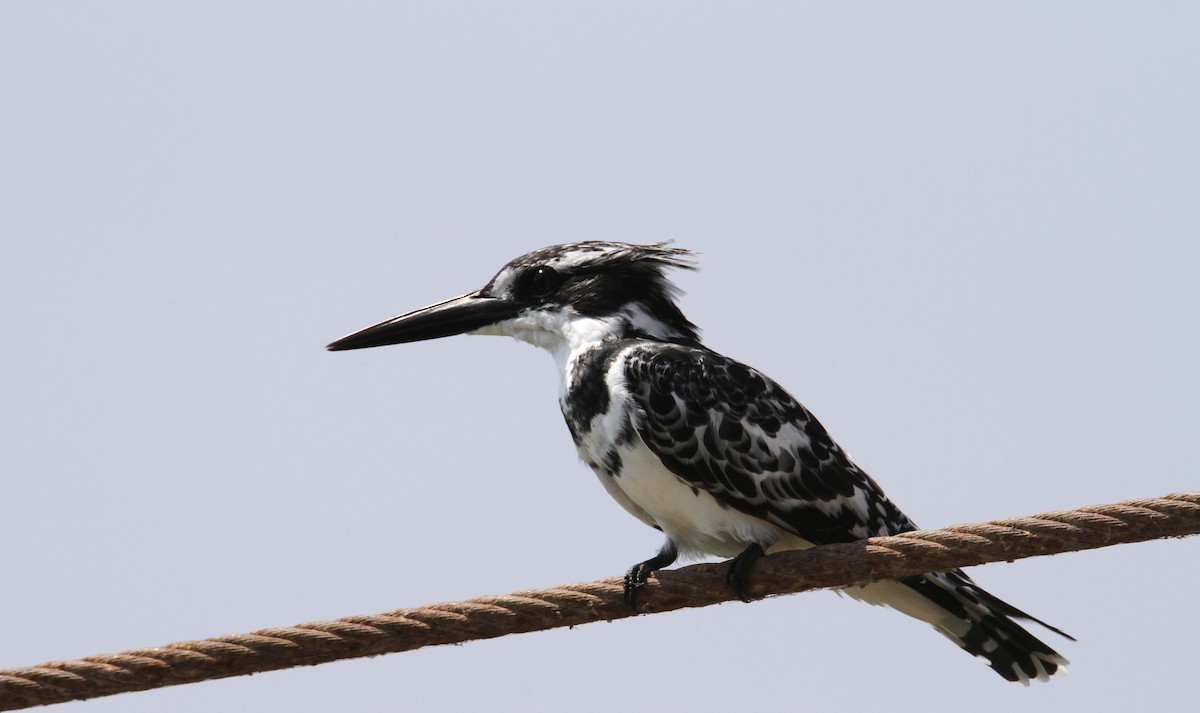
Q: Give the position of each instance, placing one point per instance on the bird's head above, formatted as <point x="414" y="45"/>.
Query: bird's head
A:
<point x="562" y="295"/>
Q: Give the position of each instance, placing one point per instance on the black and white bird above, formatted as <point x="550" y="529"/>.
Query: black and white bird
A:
<point x="707" y="450"/>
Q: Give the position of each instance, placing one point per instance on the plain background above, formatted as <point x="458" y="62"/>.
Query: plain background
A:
<point x="964" y="235"/>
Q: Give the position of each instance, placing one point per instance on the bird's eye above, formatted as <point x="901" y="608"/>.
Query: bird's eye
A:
<point x="543" y="281"/>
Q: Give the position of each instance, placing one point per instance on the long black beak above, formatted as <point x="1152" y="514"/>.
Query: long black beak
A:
<point x="465" y="313"/>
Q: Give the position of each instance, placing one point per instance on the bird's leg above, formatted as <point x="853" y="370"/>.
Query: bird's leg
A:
<point x="637" y="575"/>
<point x="740" y="567"/>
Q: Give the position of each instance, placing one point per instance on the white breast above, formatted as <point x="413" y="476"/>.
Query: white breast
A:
<point x="693" y="518"/>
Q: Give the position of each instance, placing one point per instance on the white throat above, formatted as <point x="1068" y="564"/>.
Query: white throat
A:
<point x="562" y="332"/>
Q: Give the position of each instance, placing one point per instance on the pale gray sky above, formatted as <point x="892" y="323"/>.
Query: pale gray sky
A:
<point x="965" y="235"/>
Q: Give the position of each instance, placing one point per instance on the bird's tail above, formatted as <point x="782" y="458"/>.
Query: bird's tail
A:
<point x="980" y="623"/>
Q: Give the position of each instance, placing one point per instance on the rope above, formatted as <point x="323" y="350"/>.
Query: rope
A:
<point x="843" y="565"/>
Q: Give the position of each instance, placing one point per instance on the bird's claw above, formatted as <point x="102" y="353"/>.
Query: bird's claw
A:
<point x="739" y="569"/>
<point x="635" y="579"/>
<point x="637" y="575"/>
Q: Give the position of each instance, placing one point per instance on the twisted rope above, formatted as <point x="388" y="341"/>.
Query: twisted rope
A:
<point x="850" y="564"/>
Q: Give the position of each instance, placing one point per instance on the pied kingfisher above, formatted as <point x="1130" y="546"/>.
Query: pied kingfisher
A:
<point x="707" y="450"/>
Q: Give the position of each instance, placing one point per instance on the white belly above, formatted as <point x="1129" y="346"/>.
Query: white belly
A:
<point x="692" y="518"/>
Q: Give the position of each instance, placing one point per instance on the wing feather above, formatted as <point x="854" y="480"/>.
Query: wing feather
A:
<point x="728" y="429"/>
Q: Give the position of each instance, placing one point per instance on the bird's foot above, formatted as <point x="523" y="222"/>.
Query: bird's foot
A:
<point x="635" y="579"/>
<point x="739" y="569"/>
<point x="637" y="575"/>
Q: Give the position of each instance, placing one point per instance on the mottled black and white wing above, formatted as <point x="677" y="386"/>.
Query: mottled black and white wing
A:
<point x="727" y="429"/>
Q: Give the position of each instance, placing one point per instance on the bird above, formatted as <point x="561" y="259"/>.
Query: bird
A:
<point x="711" y="452"/>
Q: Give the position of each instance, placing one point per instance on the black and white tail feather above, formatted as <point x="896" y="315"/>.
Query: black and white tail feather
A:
<point x="974" y="619"/>
<point x="709" y="451"/>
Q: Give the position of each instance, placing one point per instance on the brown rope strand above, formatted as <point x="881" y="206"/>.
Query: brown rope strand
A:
<point x="843" y="565"/>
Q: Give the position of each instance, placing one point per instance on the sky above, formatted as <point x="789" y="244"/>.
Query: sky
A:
<point x="964" y="235"/>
